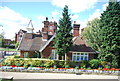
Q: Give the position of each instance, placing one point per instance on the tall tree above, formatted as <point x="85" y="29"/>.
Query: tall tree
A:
<point x="1" y="36"/>
<point x="91" y="34"/>
<point x="63" y="39"/>
<point x="110" y="32"/>
<point x="104" y="36"/>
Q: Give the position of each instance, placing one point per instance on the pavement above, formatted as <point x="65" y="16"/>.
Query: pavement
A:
<point x="18" y="75"/>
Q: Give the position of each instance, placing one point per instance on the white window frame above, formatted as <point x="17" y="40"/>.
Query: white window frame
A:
<point x="79" y="54"/>
<point x="54" y="56"/>
<point x="25" y="54"/>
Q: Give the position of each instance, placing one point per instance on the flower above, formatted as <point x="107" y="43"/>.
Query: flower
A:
<point x="113" y="69"/>
<point x="12" y="65"/>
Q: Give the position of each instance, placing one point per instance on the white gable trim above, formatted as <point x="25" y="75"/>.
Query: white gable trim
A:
<point x="47" y="43"/>
<point x="20" y="42"/>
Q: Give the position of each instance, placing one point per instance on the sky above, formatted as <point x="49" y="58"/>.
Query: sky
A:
<point x="16" y="14"/>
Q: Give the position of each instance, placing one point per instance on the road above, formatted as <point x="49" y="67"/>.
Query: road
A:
<point x="18" y="75"/>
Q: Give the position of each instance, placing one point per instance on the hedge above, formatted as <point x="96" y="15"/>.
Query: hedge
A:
<point x="37" y="62"/>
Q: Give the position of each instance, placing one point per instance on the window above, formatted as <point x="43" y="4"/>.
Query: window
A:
<point x="79" y="56"/>
<point x="54" y="55"/>
<point x="50" y="27"/>
<point x="25" y="54"/>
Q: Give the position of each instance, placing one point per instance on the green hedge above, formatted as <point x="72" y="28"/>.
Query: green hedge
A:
<point x="37" y="62"/>
<point x="33" y="62"/>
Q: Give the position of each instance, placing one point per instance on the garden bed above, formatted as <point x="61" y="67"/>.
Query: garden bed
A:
<point x="59" y="70"/>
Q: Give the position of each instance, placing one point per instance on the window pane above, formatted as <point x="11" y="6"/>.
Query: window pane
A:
<point x="81" y="53"/>
<point x="74" y="58"/>
<point x="81" y="57"/>
<point x="25" y="54"/>
<point x="78" y="53"/>
<point x="74" y="53"/>
<point x="53" y="54"/>
<point x="78" y="58"/>
<point x="85" y="58"/>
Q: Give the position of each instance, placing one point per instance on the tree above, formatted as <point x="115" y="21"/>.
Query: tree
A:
<point x="109" y="34"/>
<point x="104" y="36"/>
<point x="63" y="39"/>
<point x="91" y="34"/>
<point x="1" y="36"/>
<point x="1" y="40"/>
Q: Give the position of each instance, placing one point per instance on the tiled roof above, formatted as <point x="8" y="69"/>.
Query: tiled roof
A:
<point x="79" y="45"/>
<point x="31" y="42"/>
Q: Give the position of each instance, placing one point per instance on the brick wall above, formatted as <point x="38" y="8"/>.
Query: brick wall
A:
<point x="30" y="54"/>
<point x="91" y="56"/>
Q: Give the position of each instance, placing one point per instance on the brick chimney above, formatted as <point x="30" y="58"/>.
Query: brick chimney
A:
<point x="45" y="30"/>
<point x="76" y="29"/>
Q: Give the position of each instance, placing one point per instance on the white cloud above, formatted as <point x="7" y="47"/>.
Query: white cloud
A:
<point x="105" y="6"/>
<point x="55" y="13"/>
<point x="12" y="21"/>
<point x="41" y="17"/>
<point x="75" y="5"/>
<point x="74" y="17"/>
<point x="96" y="14"/>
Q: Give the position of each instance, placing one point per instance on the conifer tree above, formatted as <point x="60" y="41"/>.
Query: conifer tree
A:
<point x="104" y="35"/>
<point x="63" y="39"/>
<point x="109" y="34"/>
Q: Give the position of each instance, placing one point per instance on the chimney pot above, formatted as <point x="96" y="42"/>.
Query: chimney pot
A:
<point x="46" y="18"/>
<point x="74" y="22"/>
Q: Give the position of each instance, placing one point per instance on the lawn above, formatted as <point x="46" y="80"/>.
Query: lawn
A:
<point x="6" y="49"/>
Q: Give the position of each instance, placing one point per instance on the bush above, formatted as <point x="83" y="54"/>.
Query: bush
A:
<point x="59" y="63"/>
<point x="84" y="64"/>
<point x="16" y="45"/>
<point x="16" y="56"/>
<point x="3" y="63"/>
<point x="25" y="65"/>
<point x="77" y="67"/>
<point x="73" y="64"/>
<point x="104" y="64"/>
<point x="67" y="66"/>
<point x="17" y="64"/>
<point x="94" y="63"/>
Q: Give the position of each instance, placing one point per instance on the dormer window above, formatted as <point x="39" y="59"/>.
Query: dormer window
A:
<point x="50" y="27"/>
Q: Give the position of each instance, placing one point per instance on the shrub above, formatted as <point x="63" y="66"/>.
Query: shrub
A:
<point x="83" y="67"/>
<point x="55" y="66"/>
<point x="48" y="63"/>
<point x="94" y="63"/>
<point x="66" y="66"/>
<point x="104" y="64"/>
<point x="16" y="45"/>
<point x="16" y="56"/>
<point x="25" y="65"/>
<point x="84" y="64"/>
<point x="59" y="63"/>
<point x="89" y="68"/>
<point x="3" y="63"/>
<point x="73" y="64"/>
<point x="17" y="64"/>
<point x="77" y="67"/>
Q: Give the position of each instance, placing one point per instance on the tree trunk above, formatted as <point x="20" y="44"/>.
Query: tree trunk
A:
<point x="62" y="57"/>
<point x="57" y="56"/>
<point x="65" y="58"/>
